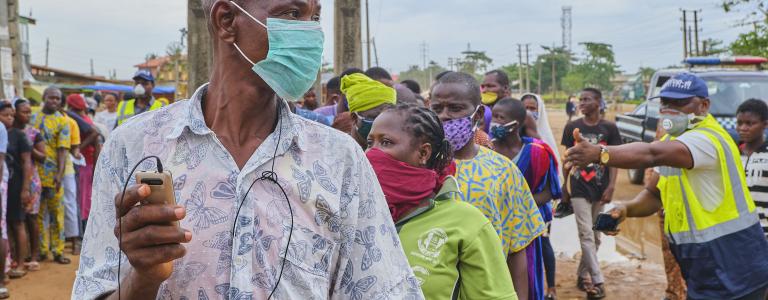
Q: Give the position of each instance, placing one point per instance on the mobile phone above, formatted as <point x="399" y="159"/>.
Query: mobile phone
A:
<point x="606" y="223"/>
<point x="161" y="186"/>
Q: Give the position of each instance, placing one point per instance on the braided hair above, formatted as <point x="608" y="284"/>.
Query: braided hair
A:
<point x="424" y="125"/>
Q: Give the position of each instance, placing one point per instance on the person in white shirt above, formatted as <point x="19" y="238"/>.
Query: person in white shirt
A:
<point x="108" y="117"/>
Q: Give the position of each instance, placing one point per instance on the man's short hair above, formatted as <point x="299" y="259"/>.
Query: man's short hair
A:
<point x="333" y="84"/>
<point x="378" y="73"/>
<point x="514" y="108"/>
<point x="412" y="85"/>
<point x="441" y="74"/>
<point x="755" y="106"/>
<point x="351" y="71"/>
<point x="470" y="84"/>
<point x="501" y="77"/>
<point x="50" y="89"/>
<point x="595" y="91"/>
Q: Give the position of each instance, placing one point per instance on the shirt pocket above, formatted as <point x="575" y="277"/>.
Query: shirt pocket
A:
<point x="308" y="262"/>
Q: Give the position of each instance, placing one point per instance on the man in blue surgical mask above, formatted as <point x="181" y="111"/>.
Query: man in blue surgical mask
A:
<point x="267" y="205"/>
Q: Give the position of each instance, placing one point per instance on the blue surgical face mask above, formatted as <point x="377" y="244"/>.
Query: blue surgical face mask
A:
<point x="294" y="57"/>
<point x="501" y="132"/>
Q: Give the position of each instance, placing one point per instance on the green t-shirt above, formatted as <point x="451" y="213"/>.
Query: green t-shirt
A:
<point x="454" y="250"/>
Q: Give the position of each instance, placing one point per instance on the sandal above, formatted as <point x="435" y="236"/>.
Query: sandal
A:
<point x="61" y="260"/>
<point x="32" y="266"/>
<point x="4" y="293"/>
<point x="16" y="273"/>
<point x="596" y="292"/>
<point x="550" y="297"/>
<point x="582" y="284"/>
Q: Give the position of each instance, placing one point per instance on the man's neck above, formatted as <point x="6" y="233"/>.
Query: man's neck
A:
<point x="510" y="146"/>
<point x="592" y="119"/>
<point x="238" y="110"/>
<point x="48" y="111"/>
<point x="143" y="101"/>
<point x="468" y="152"/>
<point x="751" y="147"/>
<point x="112" y="110"/>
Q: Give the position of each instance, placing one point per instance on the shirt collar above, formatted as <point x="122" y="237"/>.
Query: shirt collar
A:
<point x="193" y="119"/>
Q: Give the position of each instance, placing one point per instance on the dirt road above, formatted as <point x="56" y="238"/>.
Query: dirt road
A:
<point x="625" y="279"/>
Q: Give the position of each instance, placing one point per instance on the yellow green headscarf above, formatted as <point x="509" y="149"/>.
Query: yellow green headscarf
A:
<point x="364" y="93"/>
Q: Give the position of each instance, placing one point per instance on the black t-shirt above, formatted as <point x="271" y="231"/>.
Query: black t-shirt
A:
<point x="591" y="182"/>
<point x="18" y="143"/>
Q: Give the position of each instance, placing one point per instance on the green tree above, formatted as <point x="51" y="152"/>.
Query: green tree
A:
<point x="562" y="60"/>
<point x="595" y="70"/>
<point x="752" y="43"/>
<point x="424" y="77"/>
<point x="474" y="62"/>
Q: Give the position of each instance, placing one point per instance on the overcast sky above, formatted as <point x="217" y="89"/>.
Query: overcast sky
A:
<point x="118" y="34"/>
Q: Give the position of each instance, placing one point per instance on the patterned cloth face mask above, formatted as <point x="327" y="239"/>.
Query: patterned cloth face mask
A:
<point x="459" y="131"/>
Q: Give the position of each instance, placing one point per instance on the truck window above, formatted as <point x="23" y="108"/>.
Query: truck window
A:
<point x="660" y="81"/>
<point x="640" y="110"/>
<point x="726" y="93"/>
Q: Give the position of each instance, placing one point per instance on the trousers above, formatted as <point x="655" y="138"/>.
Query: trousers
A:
<point x="51" y="214"/>
<point x="586" y="214"/>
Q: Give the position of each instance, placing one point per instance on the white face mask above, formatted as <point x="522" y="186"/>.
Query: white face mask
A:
<point x="139" y="90"/>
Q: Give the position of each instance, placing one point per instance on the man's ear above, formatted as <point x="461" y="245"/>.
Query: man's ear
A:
<point x="222" y="21"/>
<point x="705" y="104"/>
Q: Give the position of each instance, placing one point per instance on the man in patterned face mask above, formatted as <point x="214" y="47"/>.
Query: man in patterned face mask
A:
<point x="488" y="180"/>
<point x="268" y="205"/>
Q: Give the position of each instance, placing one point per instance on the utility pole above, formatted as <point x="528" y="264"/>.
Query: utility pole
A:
<point x="47" y="50"/>
<point x="368" y="32"/>
<point x="685" y="34"/>
<point x="424" y="54"/>
<point x="347" y="36"/>
<point x="690" y="39"/>
<point x="527" y="69"/>
<point x="696" y="30"/>
<point x="520" y="67"/>
<point x="14" y="31"/>
<point x="554" y="72"/>
<point x="199" y="47"/>
<point x="92" y="73"/>
<point x="375" y="51"/>
<point x="704" y="48"/>
<point x="538" y="83"/>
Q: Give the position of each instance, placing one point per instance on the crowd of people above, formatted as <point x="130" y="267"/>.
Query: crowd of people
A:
<point x="50" y="150"/>
<point x="383" y="190"/>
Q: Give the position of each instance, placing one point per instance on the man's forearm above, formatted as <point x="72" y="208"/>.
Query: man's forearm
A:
<point x="135" y="287"/>
<point x="643" y="205"/>
<point x="517" y="263"/>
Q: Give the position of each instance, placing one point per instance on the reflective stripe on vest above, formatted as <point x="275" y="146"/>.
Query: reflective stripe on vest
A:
<point x="744" y="218"/>
<point x="126" y="109"/>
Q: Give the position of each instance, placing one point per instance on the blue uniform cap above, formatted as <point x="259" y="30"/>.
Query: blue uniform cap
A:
<point x="144" y="74"/>
<point x="684" y="86"/>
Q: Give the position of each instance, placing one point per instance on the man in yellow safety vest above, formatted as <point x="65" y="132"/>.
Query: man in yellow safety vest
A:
<point x="144" y="100"/>
<point x="710" y="217"/>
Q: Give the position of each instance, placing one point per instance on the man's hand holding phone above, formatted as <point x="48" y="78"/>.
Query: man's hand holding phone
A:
<point x="151" y="237"/>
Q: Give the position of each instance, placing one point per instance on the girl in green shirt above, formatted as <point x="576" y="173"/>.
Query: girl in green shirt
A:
<point x="453" y="249"/>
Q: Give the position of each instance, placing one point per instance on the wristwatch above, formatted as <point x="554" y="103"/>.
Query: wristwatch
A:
<point x="604" y="156"/>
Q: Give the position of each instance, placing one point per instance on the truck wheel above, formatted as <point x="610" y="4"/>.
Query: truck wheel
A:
<point x="636" y="176"/>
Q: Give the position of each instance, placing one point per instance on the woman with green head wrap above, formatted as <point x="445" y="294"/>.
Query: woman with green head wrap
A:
<point x="367" y="98"/>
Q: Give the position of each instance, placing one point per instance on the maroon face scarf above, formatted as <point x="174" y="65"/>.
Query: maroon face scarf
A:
<point x="404" y="186"/>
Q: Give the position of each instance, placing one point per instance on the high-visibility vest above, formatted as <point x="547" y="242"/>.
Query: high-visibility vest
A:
<point x="126" y="109"/>
<point x="723" y="253"/>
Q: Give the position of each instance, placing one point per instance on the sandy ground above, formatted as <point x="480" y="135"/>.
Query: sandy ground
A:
<point x="625" y="279"/>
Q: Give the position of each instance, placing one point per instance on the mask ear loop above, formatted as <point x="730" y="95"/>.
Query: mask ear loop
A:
<point x="248" y="14"/>
<point x="252" y="18"/>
